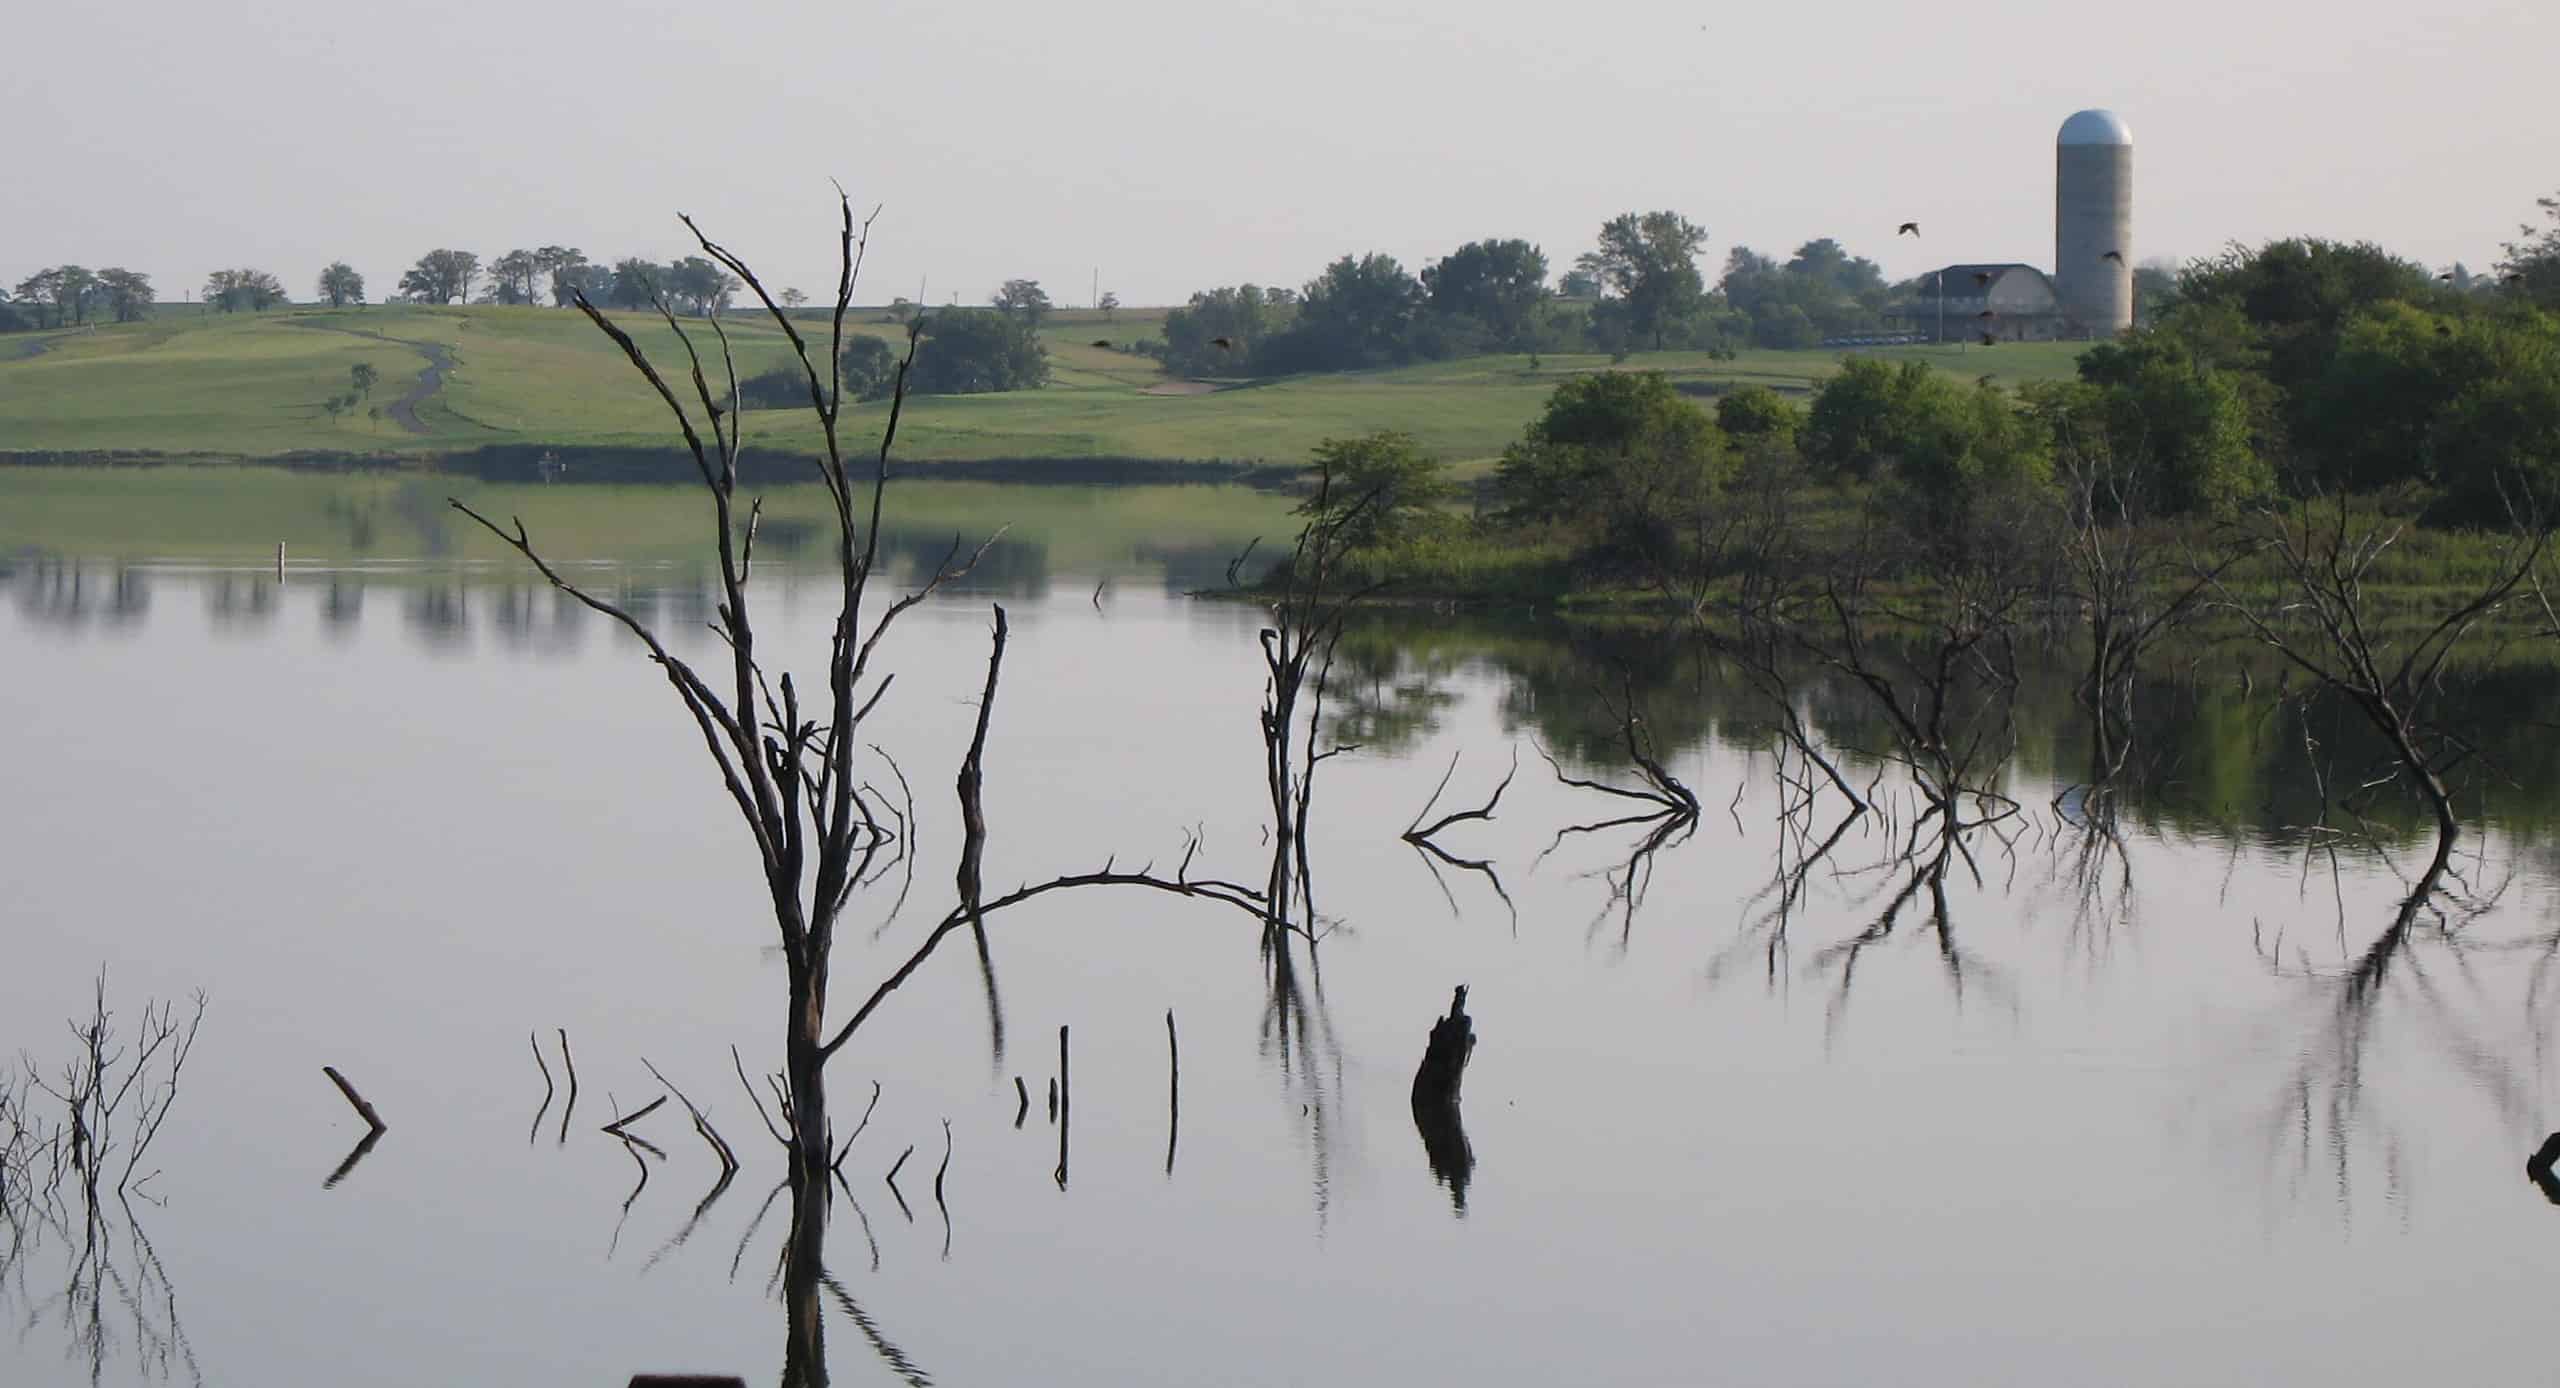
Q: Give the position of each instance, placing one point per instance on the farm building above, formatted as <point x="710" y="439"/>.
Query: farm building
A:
<point x="2020" y="300"/>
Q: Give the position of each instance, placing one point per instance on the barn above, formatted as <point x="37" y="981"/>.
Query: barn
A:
<point x="2020" y="299"/>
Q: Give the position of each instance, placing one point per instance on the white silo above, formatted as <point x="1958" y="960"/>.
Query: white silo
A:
<point x="2093" y="223"/>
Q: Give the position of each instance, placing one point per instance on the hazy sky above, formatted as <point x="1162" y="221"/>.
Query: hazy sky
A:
<point x="1178" y="146"/>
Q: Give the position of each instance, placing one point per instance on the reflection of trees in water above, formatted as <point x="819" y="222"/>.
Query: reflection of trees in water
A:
<point x="1385" y="697"/>
<point x="537" y="619"/>
<point x="439" y="615"/>
<point x="2212" y="754"/>
<point x="2423" y="988"/>
<point x="57" y="592"/>
<point x="342" y="604"/>
<point x="239" y="600"/>
<point x="1011" y="567"/>
<point x="1192" y="568"/>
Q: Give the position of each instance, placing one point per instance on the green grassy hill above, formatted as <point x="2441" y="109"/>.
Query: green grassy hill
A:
<point x="251" y="386"/>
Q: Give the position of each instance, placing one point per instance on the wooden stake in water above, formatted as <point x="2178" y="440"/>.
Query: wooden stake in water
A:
<point x="279" y="561"/>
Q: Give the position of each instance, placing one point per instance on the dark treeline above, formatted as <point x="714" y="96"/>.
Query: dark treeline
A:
<point x="2300" y="368"/>
<point x="1641" y="290"/>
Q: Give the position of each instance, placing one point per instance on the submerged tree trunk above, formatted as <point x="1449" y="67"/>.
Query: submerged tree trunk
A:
<point x="804" y="1273"/>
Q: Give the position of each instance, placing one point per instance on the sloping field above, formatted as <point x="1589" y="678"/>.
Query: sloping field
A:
<point x="251" y="386"/>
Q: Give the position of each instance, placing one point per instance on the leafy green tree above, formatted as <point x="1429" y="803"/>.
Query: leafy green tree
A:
<point x="1024" y="301"/>
<point x="1757" y="412"/>
<point x="2178" y="429"/>
<point x="1385" y="488"/>
<point x="1945" y="451"/>
<point x="1499" y="285"/>
<point x="1967" y="456"/>
<point x="1578" y="283"/>
<point x="1647" y="264"/>
<point x="76" y="292"/>
<point x="2279" y="309"/>
<point x="40" y="292"/>
<point x="1822" y="291"/>
<point x="1110" y="306"/>
<point x="1244" y="315"/>
<point x="699" y="286"/>
<point x="594" y="281"/>
<point x="511" y="277"/>
<point x="561" y="263"/>
<point x="441" y="276"/>
<point x="126" y="293"/>
<point x="2468" y="403"/>
<point x="363" y="377"/>
<point x="233" y="291"/>
<point x="970" y="351"/>
<point x="870" y="368"/>
<point x="1857" y="424"/>
<point x="340" y="285"/>
<point x="1359" y="313"/>
<point x="2531" y="267"/>
<point x="1827" y="262"/>
<point x="794" y="297"/>
<point x="1620" y="456"/>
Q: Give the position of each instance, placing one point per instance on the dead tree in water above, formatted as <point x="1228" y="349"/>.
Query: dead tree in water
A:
<point x="786" y="754"/>
<point x="2131" y="585"/>
<point x="2322" y="623"/>
<point x="1307" y="616"/>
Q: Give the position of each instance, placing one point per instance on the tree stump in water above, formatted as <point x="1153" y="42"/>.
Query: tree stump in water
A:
<point x="1444" y="1061"/>
<point x="1435" y="1099"/>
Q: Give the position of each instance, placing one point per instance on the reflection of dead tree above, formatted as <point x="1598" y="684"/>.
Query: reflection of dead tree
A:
<point x="2324" y="556"/>
<point x="1307" y="616"/>
<point x="1426" y="848"/>
<point x="2322" y="1113"/>
<point x="2131" y="585"/>
<point x="65" y="1184"/>
<point x="2099" y="867"/>
<point x="1671" y="817"/>
<point x="1923" y="870"/>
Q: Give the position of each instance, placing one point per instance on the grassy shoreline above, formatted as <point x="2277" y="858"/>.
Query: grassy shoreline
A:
<point x="248" y="387"/>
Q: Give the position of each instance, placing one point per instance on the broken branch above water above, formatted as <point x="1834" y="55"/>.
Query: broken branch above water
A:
<point x="363" y="1110"/>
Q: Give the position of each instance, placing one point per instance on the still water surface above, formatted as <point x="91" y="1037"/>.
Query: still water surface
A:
<point x="2123" y="1124"/>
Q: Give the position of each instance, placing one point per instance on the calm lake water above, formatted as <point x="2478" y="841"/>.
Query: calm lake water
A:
<point x="2121" y="1116"/>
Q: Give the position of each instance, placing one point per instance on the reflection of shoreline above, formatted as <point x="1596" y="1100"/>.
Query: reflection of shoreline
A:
<point x="2212" y="759"/>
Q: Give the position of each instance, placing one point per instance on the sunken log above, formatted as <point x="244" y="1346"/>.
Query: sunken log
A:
<point x="1444" y="1060"/>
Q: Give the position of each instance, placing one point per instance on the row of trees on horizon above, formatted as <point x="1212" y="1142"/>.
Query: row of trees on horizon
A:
<point x="2299" y="369"/>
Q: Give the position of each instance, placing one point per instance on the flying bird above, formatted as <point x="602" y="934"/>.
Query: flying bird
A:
<point x="1223" y="344"/>
<point x="2116" y="256"/>
<point x="1907" y="229"/>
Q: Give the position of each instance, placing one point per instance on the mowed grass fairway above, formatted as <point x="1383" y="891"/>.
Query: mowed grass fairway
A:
<point x="251" y="386"/>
